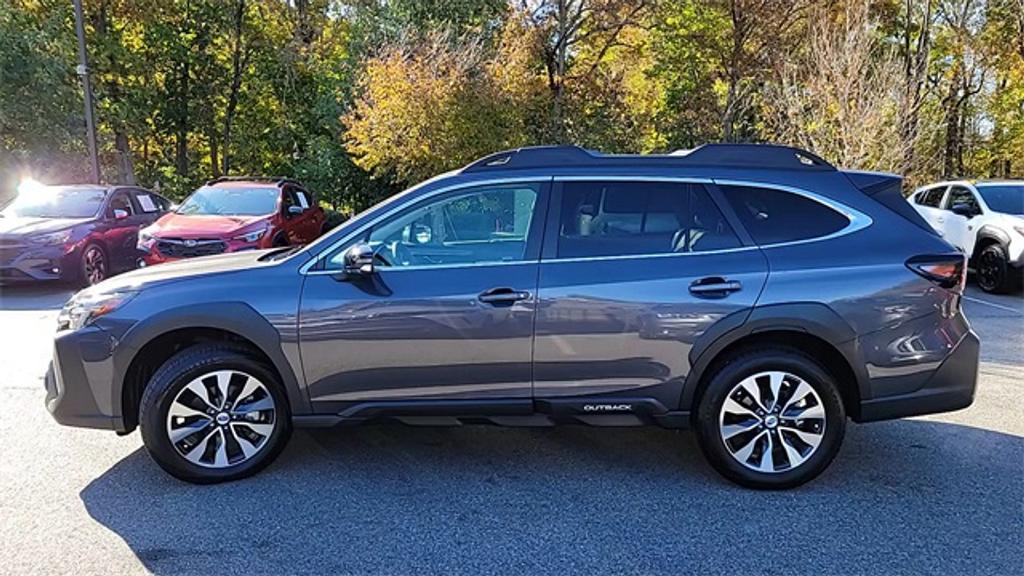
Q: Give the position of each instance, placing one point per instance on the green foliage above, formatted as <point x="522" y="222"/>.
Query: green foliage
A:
<point x="361" y="97"/>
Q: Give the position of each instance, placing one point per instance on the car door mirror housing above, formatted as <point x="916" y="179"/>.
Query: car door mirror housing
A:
<point x="965" y="210"/>
<point x="358" y="260"/>
<point x="120" y="214"/>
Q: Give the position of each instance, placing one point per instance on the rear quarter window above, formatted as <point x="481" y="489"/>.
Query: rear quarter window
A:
<point x="774" y="216"/>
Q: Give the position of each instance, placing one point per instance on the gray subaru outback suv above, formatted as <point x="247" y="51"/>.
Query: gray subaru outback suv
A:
<point x="754" y="293"/>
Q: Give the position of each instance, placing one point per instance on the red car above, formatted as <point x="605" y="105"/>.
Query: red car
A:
<point x="234" y="214"/>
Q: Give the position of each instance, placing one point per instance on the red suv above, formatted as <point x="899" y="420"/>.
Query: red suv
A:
<point x="234" y="214"/>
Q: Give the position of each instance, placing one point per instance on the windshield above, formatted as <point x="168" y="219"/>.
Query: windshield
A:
<point x="56" y="202"/>
<point x="231" y="201"/>
<point x="1005" y="198"/>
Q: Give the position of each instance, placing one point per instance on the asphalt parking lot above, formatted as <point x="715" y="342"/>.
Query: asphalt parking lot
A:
<point x="939" y="494"/>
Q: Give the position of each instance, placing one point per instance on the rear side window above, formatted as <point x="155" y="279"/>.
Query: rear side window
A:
<point x="773" y="216"/>
<point x="931" y="198"/>
<point x="636" y="218"/>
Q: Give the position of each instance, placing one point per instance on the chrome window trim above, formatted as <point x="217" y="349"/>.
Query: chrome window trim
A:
<point x="321" y="255"/>
<point x="857" y="220"/>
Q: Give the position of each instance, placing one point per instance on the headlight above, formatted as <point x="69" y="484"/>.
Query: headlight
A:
<point x="83" y="308"/>
<point x="145" y="241"/>
<point x="51" y="239"/>
<point x="251" y="237"/>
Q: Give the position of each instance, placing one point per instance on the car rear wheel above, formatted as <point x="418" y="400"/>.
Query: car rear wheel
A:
<point x="94" y="265"/>
<point x="770" y="419"/>
<point x="993" y="270"/>
<point x="214" y="413"/>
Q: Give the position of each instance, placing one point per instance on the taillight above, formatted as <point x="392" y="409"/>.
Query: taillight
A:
<point x="946" y="270"/>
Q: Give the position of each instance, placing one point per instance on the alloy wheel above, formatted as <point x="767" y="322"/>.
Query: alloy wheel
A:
<point x="772" y="422"/>
<point x="94" y="265"/>
<point x="221" y="419"/>
<point x="989" y="270"/>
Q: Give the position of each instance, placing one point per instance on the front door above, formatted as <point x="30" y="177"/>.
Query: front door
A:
<point x="632" y="274"/>
<point x="448" y="313"/>
<point x="956" y="229"/>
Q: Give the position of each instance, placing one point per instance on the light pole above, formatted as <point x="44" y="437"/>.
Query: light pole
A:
<point x="83" y="71"/>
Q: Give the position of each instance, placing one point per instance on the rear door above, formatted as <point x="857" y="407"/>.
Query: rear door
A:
<point x="632" y="273"/>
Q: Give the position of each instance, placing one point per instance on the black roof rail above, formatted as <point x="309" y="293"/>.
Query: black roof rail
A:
<point x="272" y="179"/>
<point x="724" y="155"/>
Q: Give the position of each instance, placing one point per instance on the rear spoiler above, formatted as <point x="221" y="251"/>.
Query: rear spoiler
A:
<point x="887" y="190"/>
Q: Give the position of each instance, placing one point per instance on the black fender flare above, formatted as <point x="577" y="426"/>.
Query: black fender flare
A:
<point x="812" y="318"/>
<point x="235" y="317"/>
<point x="989" y="232"/>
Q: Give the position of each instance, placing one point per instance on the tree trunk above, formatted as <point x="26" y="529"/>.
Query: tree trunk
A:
<point x="181" y="122"/>
<point x="125" y="170"/>
<point x="236" y="83"/>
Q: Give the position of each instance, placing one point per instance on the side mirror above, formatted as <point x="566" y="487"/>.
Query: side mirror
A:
<point x="120" y="214"/>
<point x="965" y="210"/>
<point x="359" y="260"/>
<point x="295" y="210"/>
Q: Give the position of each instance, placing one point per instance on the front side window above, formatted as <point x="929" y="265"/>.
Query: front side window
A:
<point x="120" y="201"/>
<point x="961" y="195"/>
<point x="774" y="216"/>
<point x="482" y="225"/>
<point x="1005" y="198"/>
<point x="231" y="201"/>
<point x="636" y="218"/>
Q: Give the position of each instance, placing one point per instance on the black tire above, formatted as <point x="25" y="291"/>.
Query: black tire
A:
<point x="993" y="271"/>
<point x="748" y="363"/>
<point x="176" y="374"/>
<point x="93" y="266"/>
<point x="280" y="241"/>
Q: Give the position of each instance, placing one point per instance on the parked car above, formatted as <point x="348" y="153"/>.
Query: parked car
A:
<point x="81" y="233"/>
<point x="232" y="215"/>
<point x="983" y="219"/>
<point x="754" y="293"/>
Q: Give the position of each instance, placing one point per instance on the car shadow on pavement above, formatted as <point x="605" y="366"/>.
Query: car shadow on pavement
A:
<point x="32" y="297"/>
<point x="910" y="495"/>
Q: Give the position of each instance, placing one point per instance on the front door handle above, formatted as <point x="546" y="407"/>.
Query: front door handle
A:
<point x="502" y="296"/>
<point x="714" y="286"/>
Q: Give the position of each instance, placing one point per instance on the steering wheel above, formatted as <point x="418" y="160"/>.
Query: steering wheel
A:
<point x="393" y="254"/>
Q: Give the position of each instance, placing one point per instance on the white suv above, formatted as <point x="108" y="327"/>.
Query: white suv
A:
<point x="985" y="220"/>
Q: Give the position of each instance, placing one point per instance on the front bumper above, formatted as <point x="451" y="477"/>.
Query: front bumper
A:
<point x="38" y="263"/>
<point x="79" y="381"/>
<point x="950" y="387"/>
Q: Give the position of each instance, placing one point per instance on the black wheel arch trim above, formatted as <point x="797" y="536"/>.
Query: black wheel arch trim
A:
<point x="989" y="232"/>
<point x="236" y="317"/>
<point x="812" y="318"/>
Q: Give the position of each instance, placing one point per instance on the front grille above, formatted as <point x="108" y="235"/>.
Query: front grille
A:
<point x="178" y="248"/>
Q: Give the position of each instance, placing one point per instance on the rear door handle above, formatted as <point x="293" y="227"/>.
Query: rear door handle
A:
<point x="502" y="296"/>
<point x="714" y="286"/>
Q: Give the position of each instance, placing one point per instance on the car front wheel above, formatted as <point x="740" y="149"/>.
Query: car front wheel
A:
<point x="770" y="419"/>
<point x="993" y="270"/>
<point x="214" y="413"/>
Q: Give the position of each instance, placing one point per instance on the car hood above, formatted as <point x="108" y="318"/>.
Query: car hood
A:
<point x="183" y="269"/>
<point x="173" y="225"/>
<point x="32" y="226"/>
